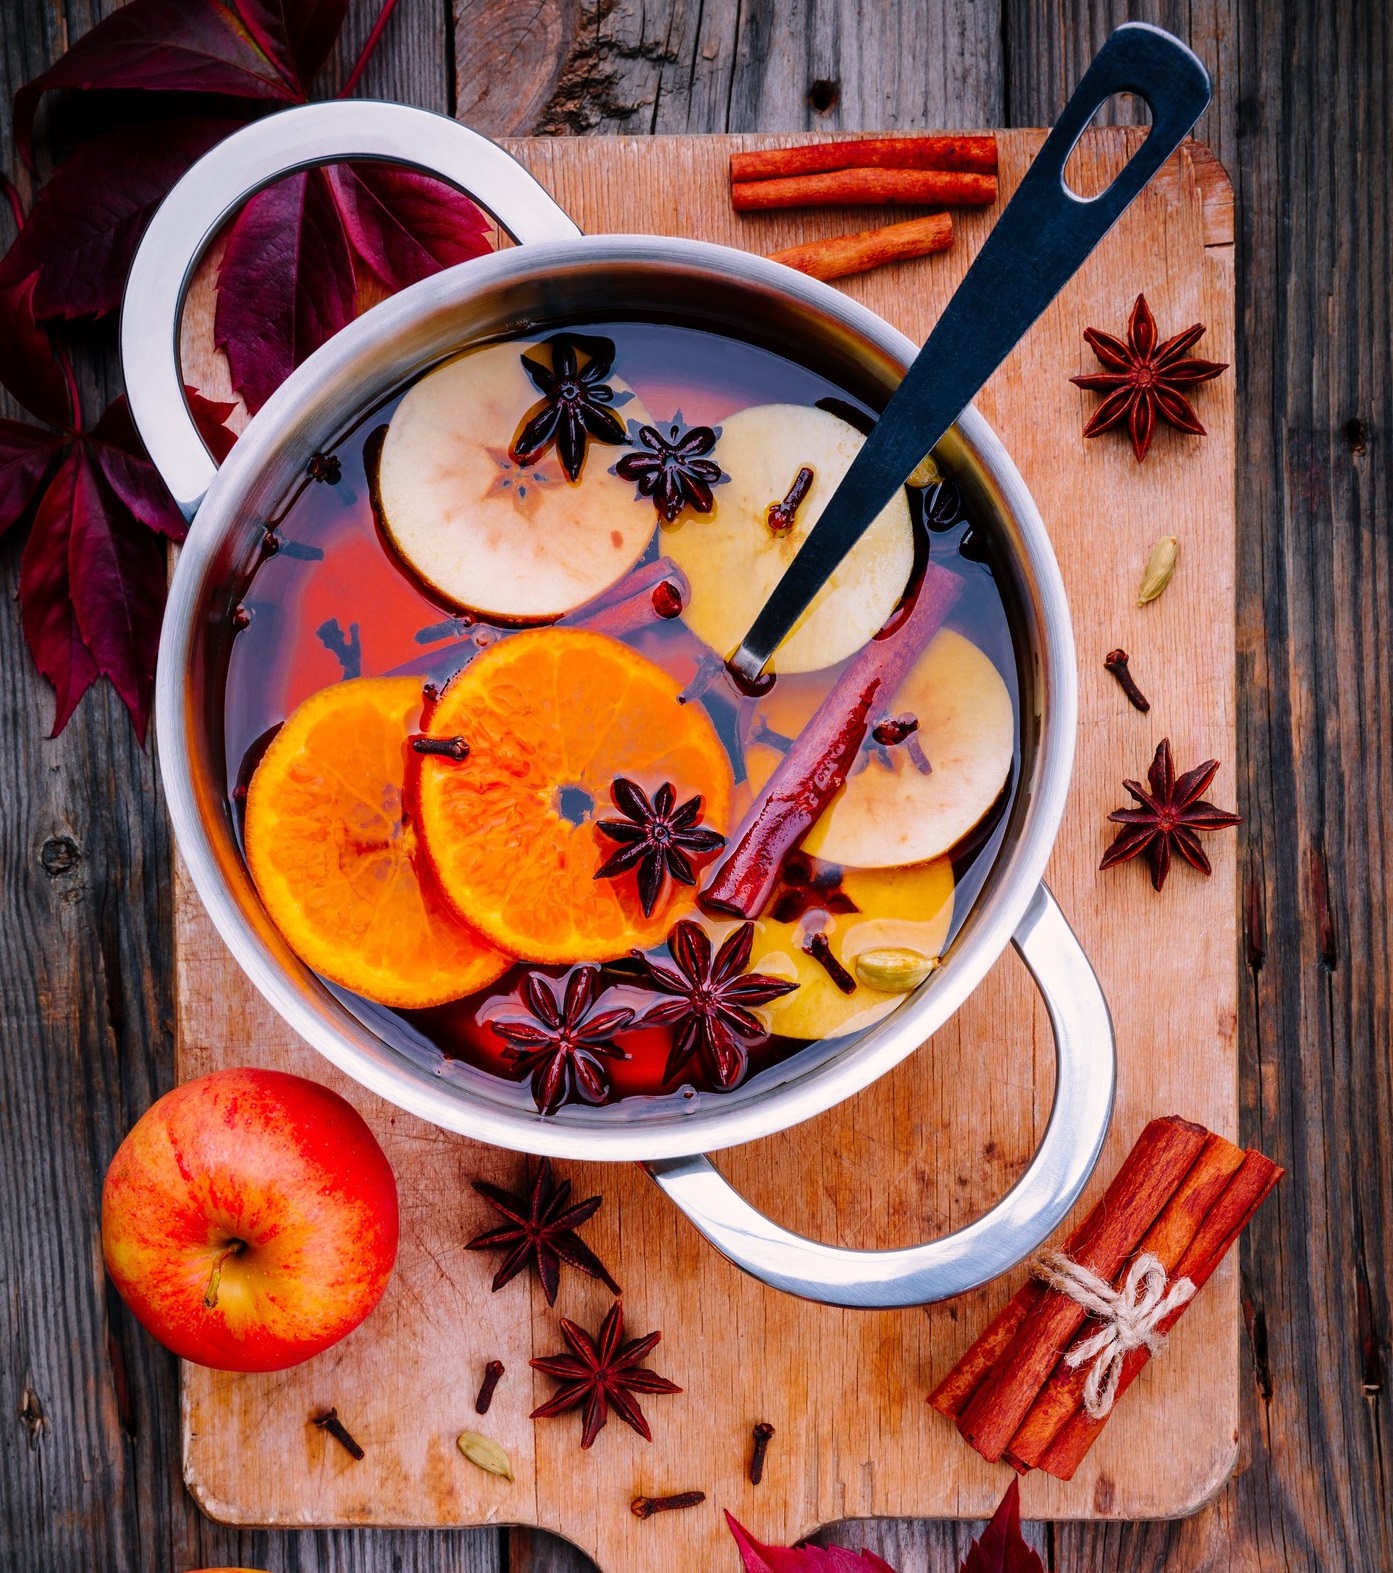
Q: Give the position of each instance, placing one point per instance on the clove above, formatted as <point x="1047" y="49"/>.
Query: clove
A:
<point x="330" y="1422"/>
<point x="1116" y="663"/>
<point x="646" y="1507"/>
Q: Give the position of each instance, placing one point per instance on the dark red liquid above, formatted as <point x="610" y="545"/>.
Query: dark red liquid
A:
<point x="333" y="600"/>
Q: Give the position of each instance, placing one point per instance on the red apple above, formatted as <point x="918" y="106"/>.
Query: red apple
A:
<point x="250" y="1220"/>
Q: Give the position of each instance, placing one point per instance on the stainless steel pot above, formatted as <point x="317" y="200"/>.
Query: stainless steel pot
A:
<point x="560" y="275"/>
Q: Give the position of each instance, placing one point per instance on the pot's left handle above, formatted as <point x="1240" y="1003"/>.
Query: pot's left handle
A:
<point x="223" y="179"/>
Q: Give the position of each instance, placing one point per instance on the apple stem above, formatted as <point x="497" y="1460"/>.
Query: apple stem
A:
<point x="210" y="1294"/>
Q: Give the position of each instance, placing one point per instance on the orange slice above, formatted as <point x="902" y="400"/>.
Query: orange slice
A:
<point x="335" y="855"/>
<point x="552" y="717"/>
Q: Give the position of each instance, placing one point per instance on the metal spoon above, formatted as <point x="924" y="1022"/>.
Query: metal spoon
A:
<point x="1039" y="243"/>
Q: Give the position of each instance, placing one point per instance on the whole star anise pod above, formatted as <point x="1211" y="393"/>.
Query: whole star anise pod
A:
<point x="575" y="402"/>
<point x="601" y="1373"/>
<point x="541" y="1230"/>
<point x="654" y="837"/>
<point x="1170" y="815"/>
<point x="1143" y="379"/>
<point x="564" y="1044"/>
<point x="673" y="472"/>
<point x="710" y="1000"/>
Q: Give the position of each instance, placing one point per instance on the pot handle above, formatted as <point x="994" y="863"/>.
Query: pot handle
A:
<point x="236" y="169"/>
<point x="875" y="1280"/>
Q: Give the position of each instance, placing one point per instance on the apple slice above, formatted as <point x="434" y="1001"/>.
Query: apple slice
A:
<point x="904" y="911"/>
<point x="733" y="556"/>
<point x="893" y="811"/>
<point x="498" y="537"/>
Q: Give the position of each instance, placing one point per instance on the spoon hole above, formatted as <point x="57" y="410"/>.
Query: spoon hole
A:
<point x="1092" y="167"/>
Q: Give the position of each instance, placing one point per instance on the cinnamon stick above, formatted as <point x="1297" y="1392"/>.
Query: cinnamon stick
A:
<point x="951" y="1395"/>
<point x="1167" y="1240"/>
<point x="652" y="592"/>
<point x="840" y="255"/>
<point x="919" y="152"/>
<point x="1222" y="1226"/>
<point x="866" y="188"/>
<point x="815" y="768"/>
<point x="1163" y="1155"/>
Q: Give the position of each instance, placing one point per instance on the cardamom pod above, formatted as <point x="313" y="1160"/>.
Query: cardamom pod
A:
<point x="485" y="1452"/>
<point x="925" y="473"/>
<point x="894" y="969"/>
<point x="1159" y="568"/>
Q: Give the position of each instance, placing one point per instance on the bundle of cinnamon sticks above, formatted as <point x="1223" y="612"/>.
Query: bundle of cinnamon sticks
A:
<point x="937" y="171"/>
<point x="1183" y="1196"/>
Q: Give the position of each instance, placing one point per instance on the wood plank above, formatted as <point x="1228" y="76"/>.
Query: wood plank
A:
<point x="917" y="1152"/>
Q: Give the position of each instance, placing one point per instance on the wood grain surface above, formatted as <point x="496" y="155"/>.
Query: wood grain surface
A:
<point x="927" y="1148"/>
<point x="89" y="1472"/>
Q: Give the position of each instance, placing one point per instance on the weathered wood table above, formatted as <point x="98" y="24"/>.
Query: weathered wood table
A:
<point x="89" y="1456"/>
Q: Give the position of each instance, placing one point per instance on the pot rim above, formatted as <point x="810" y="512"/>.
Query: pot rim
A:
<point x="299" y="411"/>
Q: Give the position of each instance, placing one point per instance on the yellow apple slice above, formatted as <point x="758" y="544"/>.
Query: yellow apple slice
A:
<point x="489" y="534"/>
<point x="903" y="910"/>
<point x="733" y="558"/>
<point x="897" y="813"/>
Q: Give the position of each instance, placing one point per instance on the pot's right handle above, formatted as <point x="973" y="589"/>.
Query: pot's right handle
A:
<point x="1021" y="1222"/>
<point x="223" y="179"/>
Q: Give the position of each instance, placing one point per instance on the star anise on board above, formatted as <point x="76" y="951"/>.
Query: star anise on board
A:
<point x="655" y="837"/>
<point x="1144" y="379"/>
<point x="575" y="402"/>
<point x="674" y="471"/>
<point x="565" y="1043"/>
<point x="541" y="1232"/>
<point x="601" y="1373"/>
<point x="1170" y="815"/>
<point x="710" y="1000"/>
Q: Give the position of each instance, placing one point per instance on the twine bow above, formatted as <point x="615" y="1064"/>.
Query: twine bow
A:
<point x="1130" y="1317"/>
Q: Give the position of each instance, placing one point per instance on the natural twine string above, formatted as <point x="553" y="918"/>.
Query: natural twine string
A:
<point x="1130" y="1317"/>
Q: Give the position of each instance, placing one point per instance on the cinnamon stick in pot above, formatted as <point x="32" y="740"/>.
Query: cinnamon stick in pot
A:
<point x="816" y="767"/>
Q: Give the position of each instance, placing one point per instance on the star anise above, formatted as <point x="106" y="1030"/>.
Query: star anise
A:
<point x="562" y="1047"/>
<point x="673" y="472"/>
<point x="541" y="1230"/>
<point x="575" y="402"/>
<point x="1169" y="816"/>
<point x="710" y="1000"/>
<point x="654" y="837"/>
<point x="1144" y="379"/>
<point x="601" y="1374"/>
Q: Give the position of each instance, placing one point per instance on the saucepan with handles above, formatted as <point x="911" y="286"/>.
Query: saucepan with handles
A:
<point x="556" y="275"/>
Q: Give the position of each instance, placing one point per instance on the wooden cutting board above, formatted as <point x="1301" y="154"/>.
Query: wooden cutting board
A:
<point x="924" y="1150"/>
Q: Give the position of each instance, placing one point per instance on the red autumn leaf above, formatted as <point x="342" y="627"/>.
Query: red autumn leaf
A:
<point x="81" y="234"/>
<point x="210" y="416"/>
<point x="804" y="1559"/>
<point x="28" y="366"/>
<point x="46" y="608"/>
<point x="197" y="46"/>
<point x="116" y="449"/>
<point x="286" y="283"/>
<point x="296" y="34"/>
<point x="116" y="572"/>
<point x="405" y="225"/>
<point x="1002" y="1548"/>
<point x="26" y="455"/>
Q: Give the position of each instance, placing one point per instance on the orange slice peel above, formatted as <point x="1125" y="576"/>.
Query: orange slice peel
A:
<point x="334" y="852"/>
<point x="553" y="717"/>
